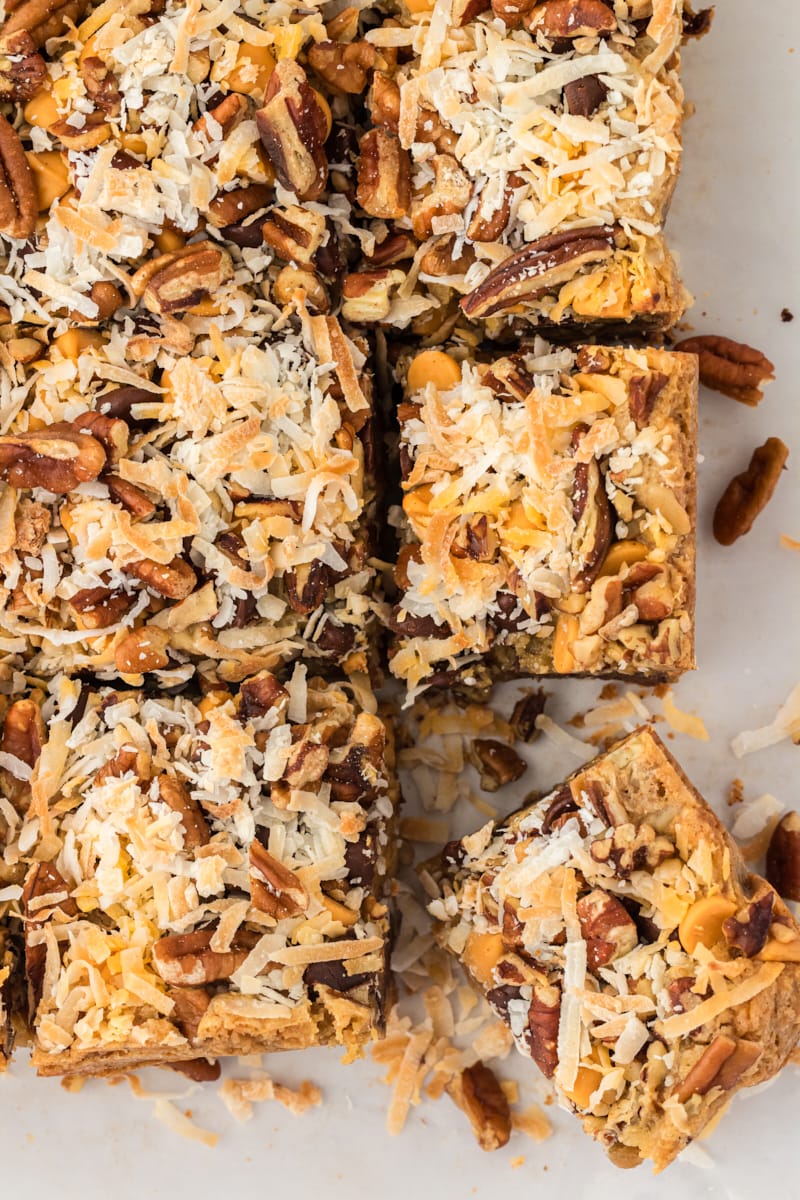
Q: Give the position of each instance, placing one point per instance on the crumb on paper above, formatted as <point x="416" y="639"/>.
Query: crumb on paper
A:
<point x="534" y="1122"/>
<point x="240" y="1095"/>
<point x="182" y="1124"/>
<point x="736" y="792"/>
<point x="519" y="1161"/>
<point x="789" y="543"/>
<point x="787" y="315"/>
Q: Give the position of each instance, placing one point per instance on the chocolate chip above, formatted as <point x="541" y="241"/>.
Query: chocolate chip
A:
<point x="336" y="640"/>
<point x="245" y="234"/>
<point x="501" y="997"/>
<point x="360" y="858"/>
<point x="119" y="402"/>
<point x="787" y="315"/>
<point x="333" y="975"/>
<point x="583" y="97"/>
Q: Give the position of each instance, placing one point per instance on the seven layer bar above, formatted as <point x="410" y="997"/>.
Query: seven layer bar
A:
<point x="614" y="927"/>
<point x="202" y="876"/>
<point x="215" y="507"/>
<point x="548" y="516"/>
<point x="524" y="159"/>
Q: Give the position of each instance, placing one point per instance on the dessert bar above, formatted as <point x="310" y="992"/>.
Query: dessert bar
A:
<point x="522" y="161"/>
<point x="212" y="507"/>
<point x="205" y="876"/>
<point x="615" y="928"/>
<point x="548" y="515"/>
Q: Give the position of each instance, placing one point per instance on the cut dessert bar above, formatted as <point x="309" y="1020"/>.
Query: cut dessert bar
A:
<point x="212" y="507"/>
<point x="7" y="972"/>
<point x="548" y="516"/>
<point x="530" y="152"/>
<point x="205" y="876"/>
<point x="615" y="928"/>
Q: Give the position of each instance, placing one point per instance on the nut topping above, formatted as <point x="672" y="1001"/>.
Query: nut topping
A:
<point x="43" y="19"/>
<point x="748" y="930"/>
<point x="293" y="129"/>
<point x="783" y="857"/>
<point x="231" y="208"/>
<point x="543" y="1017"/>
<point x="109" y="431"/>
<point x="275" y="889"/>
<point x="294" y="234"/>
<point x="101" y="85"/>
<point x="99" y="607"/>
<point x="344" y="66"/>
<point x="478" y="1094"/>
<point x="22" y="70"/>
<point x="572" y="19"/>
<point x="57" y="458"/>
<point x="450" y="194"/>
<point x="384" y="175"/>
<point x="729" y="367"/>
<point x="176" y="282"/>
<point x="607" y="928"/>
<point x="747" y="494"/>
<point x="142" y="650"/>
<point x="537" y="269"/>
<point x="497" y="763"/>
<point x="591" y="512"/>
<point x="173" y="792"/>
<point x="187" y="960"/>
<point x="19" y="201"/>
<point x="23" y="736"/>
<point x="176" y="580"/>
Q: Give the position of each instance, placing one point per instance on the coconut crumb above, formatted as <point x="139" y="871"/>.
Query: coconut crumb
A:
<point x="533" y="1122"/>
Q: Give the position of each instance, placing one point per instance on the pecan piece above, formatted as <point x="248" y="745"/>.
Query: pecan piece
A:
<point x="306" y="586"/>
<point x="176" y="282"/>
<point x="199" y="1070"/>
<point x="542" y="1034"/>
<point x="57" y="458"/>
<point x="31" y="525"/>
<point x="19" y="201"/>
<point x="307" y="763"/>
<point x="227" y="114"/>
<point x="43" y="19"/>
<point x="294" y="233"/>
<point x="23" y="736"/>
<point x="259" y="694"/>
<point x="187" y="960"/>
<point x="129" y="496"/>
<point x="696" y="24"/>
<point x="99" y="607"/>
<point x="643" y="391"/>
<point x="783" y="857"/>
<point x="748" y="493"/>
<point x="572" y="19"/>
<point x="524" y="714"/>
<point x="478" y="1094"/>
<point x="607" y="928"/>
<point x="190" y="1007"/>
<point x="142" y="650"/>
<point x="44" y="879"/>
<point x="513" y="13"/>
<point x="22" y="68"/>
<point x="176" y="580"/>
<point x="732" y="368"/>
<point x="591" y="512"/>
<point x="101" y="85"/>
<point x="233" y="208"/>
<point x="747" y="931"/>
<point x="111" y="432"/>
<point x="384" y="175"/>
<point x="367" y="295"/>
<point x="497" y="763"/>
<point x="464" y="11"/>
<point x="293" y="129"/>
<point x="450" y="194"/>
<point x="275" y="889"/>
<point x="173" y="792"/>
<point x="538" y="269"/>
<point x="344" y="66"/>
<point x="290" y="282"/>
<point x="93" y="132"/>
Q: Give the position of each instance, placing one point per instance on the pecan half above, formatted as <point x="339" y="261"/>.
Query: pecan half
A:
<point x="538" y="269"/>
<point x="607" y="928"/>
<point x="187" y="960"/>
<point x="525" y="712"/>
<point x="142" y="650"/>
<point x="173" y="792"/>
<point x="44" y="879"/>
<point x="101" y="85"/>
<point x="293" y="129"/>
<point x="19" y="201"/>
<point x="57" y="458"/>
<point x="732" y="368"/>
<point x="497" y="763"/>
<point x="99" y="607"/>
<point x="176" y="580"/>
<point x="593" y="524"/>
<point x="748" y="930"/>
<point x="259" y="694"/>
<point x="176" y="282"/>
<point x="344" y="66"/>
<point x="275" y="889"/>
<point x="233" y="208"/>
<point x="783" y="857"/>
<point x="478" y="1094"/>
<point x="384" y="175"/>
<point x="572" y="19"/>
<point x="22" y="68"/>
<point x="748" y="493"/>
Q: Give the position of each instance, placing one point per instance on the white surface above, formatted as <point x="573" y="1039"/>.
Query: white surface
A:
<point x="734" y="223"/>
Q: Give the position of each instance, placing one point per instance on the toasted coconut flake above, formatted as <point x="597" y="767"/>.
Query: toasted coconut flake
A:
<point x="705" y="1012"/>
<point x="786" y="724"/>
<point x="561" y="738"/>
<point x="683" y="722"/>
<point x="533" y="1122"/>
<point x="406" y="1081"/>
<point x="166" y="1112"/>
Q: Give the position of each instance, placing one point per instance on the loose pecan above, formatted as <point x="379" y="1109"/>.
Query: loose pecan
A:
<point x="125" y="761"/>
<point x="607" y="928"/>
<point x="538" y="269"/>
<point x="56" y="458"/>
<point x="307" y="763"/>
<point x="395" y="248"/>
<point x="232" y="208"/>
<point x="732" y="368"/>
<point x="19" y="200"/>
<point x="384" y="175"/>
<point x="449" y="195"/>
<point x="783" y="857"/>
<point x="572" y="19"/>
<point x="508" y="378"/>
<point x="176" y="282"/>
<point x="176" y="580"/>
<point x="187" y="960"/>
<point x="696" y="24"/>
<point x="748" y="493"/>
<point x="497" y="763"/>
<point x="119" y="402"/>
<point x="293" y="129"/>
<point x="274" y="887"/>
<point x="106" y="297"/>
<point x="32" y="523"/>
<point x="344" y="66"/>
<point x="464" y="11"/>
<point x="99" y="607"/>
<point x="294" y="233"/>
<point x="22" y="69"/>
<point x="524" y="714"/>
<point x="199" y="1070"/>
<point x="111" y="432"/>
<point x="478" y="1094"/>
<point x="513" y="13"/>
<point x="101" y="85"/>
<point x="142" y="650"/>
<point x="129" y="496"/>
<point x="747" y="931"/>
<point x="439" y="259"/>
<point x="173" y="792"/>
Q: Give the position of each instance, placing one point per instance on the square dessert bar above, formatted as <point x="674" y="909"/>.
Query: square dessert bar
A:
<point x="615" y="928"/>
<point x="8" y="964"/>
<point x="534" y="149"/>
<point x="205" y="876"/>
<point x="548" y="516"/>
<point x="214" y="507"/>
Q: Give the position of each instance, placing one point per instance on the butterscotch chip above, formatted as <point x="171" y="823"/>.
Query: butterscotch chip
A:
<point x="628" y="949"/>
